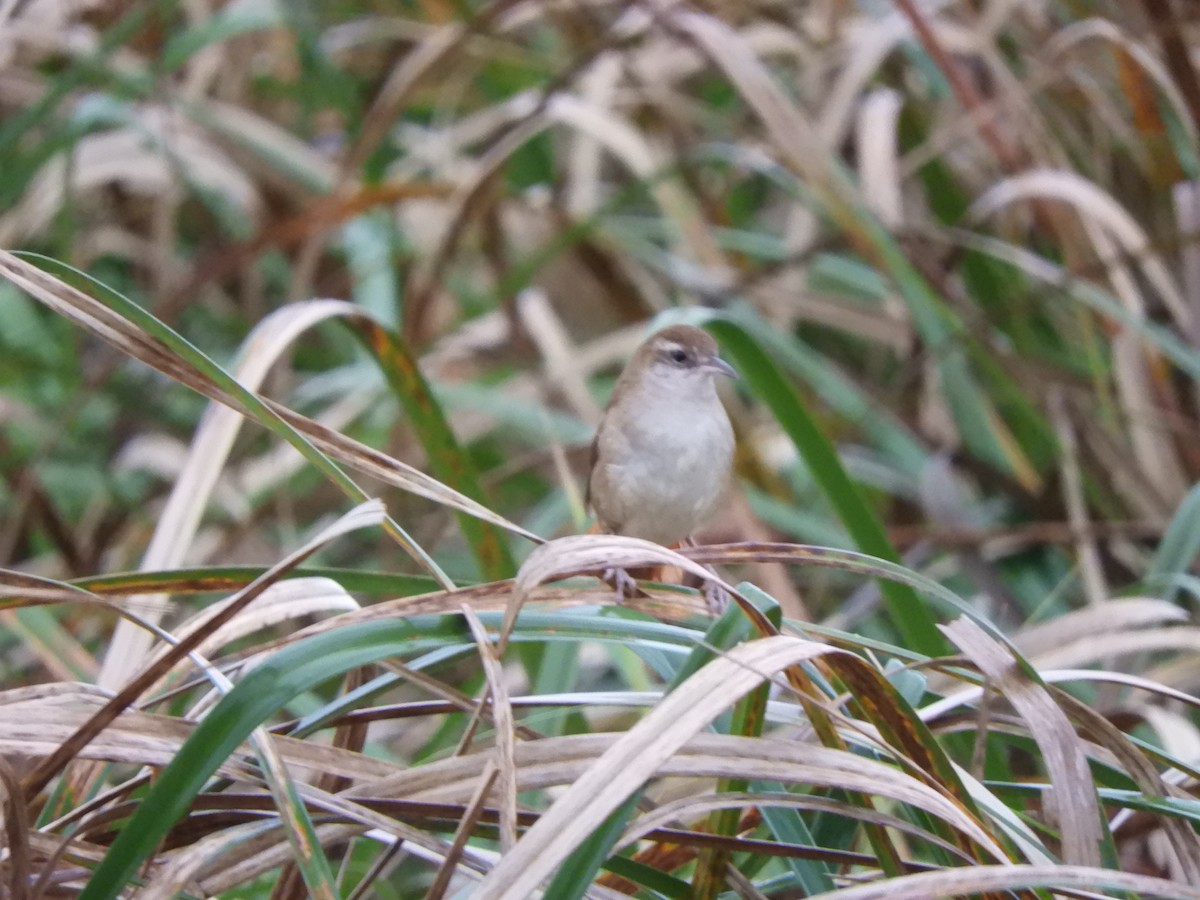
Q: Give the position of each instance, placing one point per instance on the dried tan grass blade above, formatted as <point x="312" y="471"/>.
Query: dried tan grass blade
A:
<point x="643" y="751"/>
<point x="505" y="729"/>
<point x="1072" y="799"/>
<point x="367" y="515"/>
<point x="209" y="449"/>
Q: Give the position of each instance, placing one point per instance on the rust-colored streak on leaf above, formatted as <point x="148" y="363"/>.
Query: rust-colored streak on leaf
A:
<point x="322" y="215"/>
<point x="1168" y="400"/>
<point x="818" y="716"/>
<point x="336" y="209"/>
<point x="449" y="462"/>
<point x="403" y="365"/>
<point x="438" y="12"/>
<point x="133" y="585"/>
<point x="1170" y="31"/>
<point x="1140" y="94"/>
<point x="1143" y="102"/>
<point x="882" y="705"/>
<point x="1010" y="154"/>
<point x="968" y="96"/>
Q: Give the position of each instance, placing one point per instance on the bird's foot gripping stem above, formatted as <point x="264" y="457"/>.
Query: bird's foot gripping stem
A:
<point x="623" y="584"/>
<point x="716" y="598"/>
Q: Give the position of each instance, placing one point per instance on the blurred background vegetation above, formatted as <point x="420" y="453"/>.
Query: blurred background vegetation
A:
<point x="951" y="246"/>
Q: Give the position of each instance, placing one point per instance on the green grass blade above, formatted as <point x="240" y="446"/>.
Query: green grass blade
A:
<point x="578" y="871"/>
<point x="654" y="883"/>
<point x="890" y="435"/>
<point x="788" y="827"/>
<point x="1179" y="548"/>
<point x="252" y="701"/>
<point x="196" y="362"/>
<point x="450" y="462"/>
<point x="908" y="612"/>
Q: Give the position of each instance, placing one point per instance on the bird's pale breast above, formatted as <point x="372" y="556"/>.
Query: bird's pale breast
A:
<point x="665" y="475"/>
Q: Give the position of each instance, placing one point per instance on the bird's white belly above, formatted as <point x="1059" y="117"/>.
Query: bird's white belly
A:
<point x="673" y="475"/>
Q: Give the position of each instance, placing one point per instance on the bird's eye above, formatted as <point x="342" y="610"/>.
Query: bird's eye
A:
<point x="678" y="356"/>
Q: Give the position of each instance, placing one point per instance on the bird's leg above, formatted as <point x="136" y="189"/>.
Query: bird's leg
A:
<point x="622" y="583"/>
<point x="716" y="598"/>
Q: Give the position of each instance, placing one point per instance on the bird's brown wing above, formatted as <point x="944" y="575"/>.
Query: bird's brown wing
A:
<point x="593" y="458"/>
<point x="594" y="453"/>
<point x="595" y="448"/>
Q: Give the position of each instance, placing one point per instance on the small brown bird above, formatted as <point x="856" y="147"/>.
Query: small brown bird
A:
<point x="662" y="454"/>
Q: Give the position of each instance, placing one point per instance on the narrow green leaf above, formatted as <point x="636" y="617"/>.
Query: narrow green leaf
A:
<point x="557" y="667"/>
<point x="909" y="683"/>
<point x="42" y="112"/>
<point x="578" y="870"/>
<point x="1179" y="548"/>
<point x="42" y="628"/>
<point x="450" y="462"/>
<point x="788" y="827"/>
<point x="730" y="629"/>
<point x="653" y="882"/>
<point x="227" y="22"/>
<point x="252" y="701"/>
<point x="186" y="354"/>
<point x="908" y="612"/>
<point x="307" y="852"/>
<point x="880" y="426"/>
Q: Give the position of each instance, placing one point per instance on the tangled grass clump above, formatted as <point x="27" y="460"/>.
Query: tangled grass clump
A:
<point x="359" y="647"/>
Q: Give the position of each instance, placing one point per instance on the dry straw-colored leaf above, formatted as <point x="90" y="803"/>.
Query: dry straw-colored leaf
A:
<point x="1182" y="836"/>
<point x="272" y="853"/>
<point x="878" y="163"/>
<point x="596" y="553"/>
<point x="131" y="340"/>
<point x="281" y="602"/>
<point x="1071" y="38"/>
<point x="1116" y="644"/>
<point x="1071" y="472"/>
<point x="466" y="826"/>
<point x="16" y="830"/>
<point x="497" y="695"/>
<point x="643" y="751"/>
<point x="1072" y="799"/>
<point x="146" y="158"/>
<point x="963" y="882"/>
<point x="365" y="515"/>
<point x="234" y="846"/>
<point x="1115" y="234"/>
<point x="1094" y="205"/>
<point x="1118" y="616"/>
<point x="180" y="517"/>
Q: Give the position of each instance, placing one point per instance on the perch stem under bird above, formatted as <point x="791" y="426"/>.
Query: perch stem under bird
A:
<point x="662" y="455"/>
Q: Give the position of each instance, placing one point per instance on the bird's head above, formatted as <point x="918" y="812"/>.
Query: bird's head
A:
<point x="680" y="358"/>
